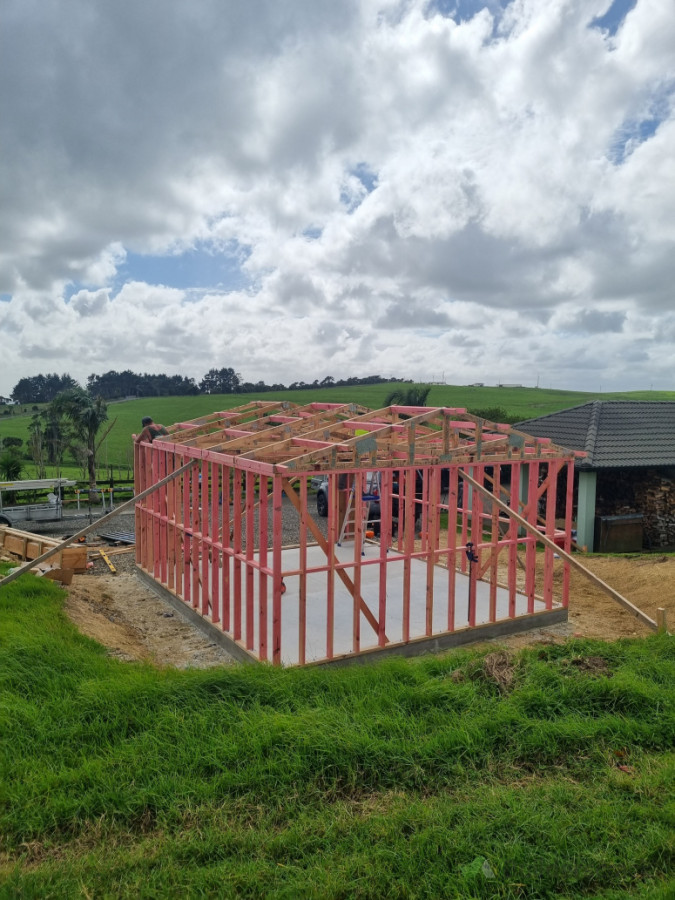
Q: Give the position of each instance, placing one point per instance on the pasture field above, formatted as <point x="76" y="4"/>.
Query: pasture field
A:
<point x="518" y="403"/>
<point x="542" y="774"/>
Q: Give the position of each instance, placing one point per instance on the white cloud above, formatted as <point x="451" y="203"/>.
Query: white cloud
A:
<point x="408" y="194"/>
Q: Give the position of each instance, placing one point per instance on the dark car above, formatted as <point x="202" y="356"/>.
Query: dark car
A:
<point x="320" y="483"/>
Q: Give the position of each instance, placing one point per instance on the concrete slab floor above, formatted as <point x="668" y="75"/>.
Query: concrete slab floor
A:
<point x="316" y="607"/>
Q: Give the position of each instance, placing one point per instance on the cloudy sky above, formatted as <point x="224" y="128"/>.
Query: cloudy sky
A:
<point x="468" y="190"/>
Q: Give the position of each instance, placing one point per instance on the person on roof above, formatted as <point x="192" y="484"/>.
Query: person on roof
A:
<point x="151" y="430"/>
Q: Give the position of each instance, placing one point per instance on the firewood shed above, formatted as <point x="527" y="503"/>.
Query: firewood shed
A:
<point x="625" y="482"/>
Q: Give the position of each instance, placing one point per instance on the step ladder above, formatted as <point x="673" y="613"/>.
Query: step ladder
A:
<point x="348" y="529"/>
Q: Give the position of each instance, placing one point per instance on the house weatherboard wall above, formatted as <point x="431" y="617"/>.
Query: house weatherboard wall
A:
<point x="628" y="467"/>
<point x="410" y="557"/>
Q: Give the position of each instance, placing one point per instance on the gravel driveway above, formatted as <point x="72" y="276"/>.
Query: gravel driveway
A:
<point x="125" y="522"/>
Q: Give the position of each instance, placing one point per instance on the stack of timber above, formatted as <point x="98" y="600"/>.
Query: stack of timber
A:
<point x="24" y="545"/>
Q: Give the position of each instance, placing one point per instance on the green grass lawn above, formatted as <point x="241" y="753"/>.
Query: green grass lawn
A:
<point x="413" y="779"/>
<point x="519" y="403"/>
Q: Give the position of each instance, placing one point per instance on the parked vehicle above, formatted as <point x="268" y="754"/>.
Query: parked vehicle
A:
<point x="51" y="511"/>
<point x="320" y="484"/>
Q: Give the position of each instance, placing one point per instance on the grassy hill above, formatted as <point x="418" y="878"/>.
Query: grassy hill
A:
<point x="444" y="776"/>
<point x="518" y="403"/>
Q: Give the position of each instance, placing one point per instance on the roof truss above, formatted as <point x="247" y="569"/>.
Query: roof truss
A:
<point x="330" y="436"/>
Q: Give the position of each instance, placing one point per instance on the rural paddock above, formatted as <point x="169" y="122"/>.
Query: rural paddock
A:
<point x="421" y="549"/>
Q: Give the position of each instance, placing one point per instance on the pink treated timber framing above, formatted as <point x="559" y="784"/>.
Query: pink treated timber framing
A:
<point x="236" y="539"/>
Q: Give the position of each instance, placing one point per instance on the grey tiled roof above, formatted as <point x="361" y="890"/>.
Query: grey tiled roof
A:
<point x="614" y="433"/>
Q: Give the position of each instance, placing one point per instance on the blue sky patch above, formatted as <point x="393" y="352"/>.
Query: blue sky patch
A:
<point x="197" y="268"/>
<point x="630" y="136"/>
<point x="312" y="233"/>
<point x="366" y="176"/>
<point x="634" y="132"/>
<point x="464" y="10"/>
<point x="612" y="20"/>
<point x="368" y="179"/>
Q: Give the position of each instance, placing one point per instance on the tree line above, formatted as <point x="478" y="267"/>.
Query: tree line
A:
<point x="115" y="385"/>
<point x="70" y="422"/>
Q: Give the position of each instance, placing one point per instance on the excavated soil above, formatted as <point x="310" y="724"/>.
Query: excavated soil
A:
<point x="122" y="614"/>
<point x="647" y="581"/>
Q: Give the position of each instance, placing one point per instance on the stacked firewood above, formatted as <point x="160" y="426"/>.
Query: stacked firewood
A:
<point x="658" y="508"/>
<point x="646" y="492"/>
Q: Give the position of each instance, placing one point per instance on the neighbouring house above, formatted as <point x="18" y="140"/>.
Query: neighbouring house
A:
<point x="628" y="472"/>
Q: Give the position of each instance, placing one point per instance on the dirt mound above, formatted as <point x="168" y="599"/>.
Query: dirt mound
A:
<point x="498" y="669"/>
<point x="647" y="581"/>
<point x="589" y="665"/>
<point x="129" y="619"/>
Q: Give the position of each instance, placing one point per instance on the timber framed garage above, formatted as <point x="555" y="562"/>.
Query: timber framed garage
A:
<point x="626" y="479"/>
<point x="419" y="550"/>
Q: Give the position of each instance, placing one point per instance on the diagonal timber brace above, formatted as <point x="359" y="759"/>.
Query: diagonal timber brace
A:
<point x="572" y="560"/>
<point x="330" y="554"/>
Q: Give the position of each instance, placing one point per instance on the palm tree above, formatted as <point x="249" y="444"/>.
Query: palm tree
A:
<point x="413" y="396"/>
<point x="11" y="466"/>
<point x="86" y="416"/>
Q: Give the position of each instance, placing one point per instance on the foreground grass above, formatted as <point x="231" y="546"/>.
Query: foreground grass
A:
<point x="401" y="779"/>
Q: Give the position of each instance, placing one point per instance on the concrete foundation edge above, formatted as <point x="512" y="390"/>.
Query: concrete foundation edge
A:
<point x="197" y="619"/>
<point x="415" y="647"/>
<point x="440" y="642"/>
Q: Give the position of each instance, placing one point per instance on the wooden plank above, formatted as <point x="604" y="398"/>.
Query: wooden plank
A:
<point x="408" y="507"/>
<point x="569" y="503"/>
<point x="433" y="490"/>
<point x="277" y="581"/>
<point x="216" y="559"/>
<point x="64" y="576"/>
<point x="551" y="496"/>
<point x="302" y="594"/>
<point x="476" y="538"/>
<point x="385" y="543"/>
<point x="358" y="512"/>
<point x="250" y="500"/>
<point x="236" y="546"/>
<point x="530" y="548"/>
<point x="513" y="541"/>
<point x="171" y="527"/>
<point x="661" y="622"/>
<point x="196" y="529"/>
<point x="226" y="598"/>
<point x="495" y="538"/>
<point x="452" y="544"/>
<point x="332" y="530"/>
